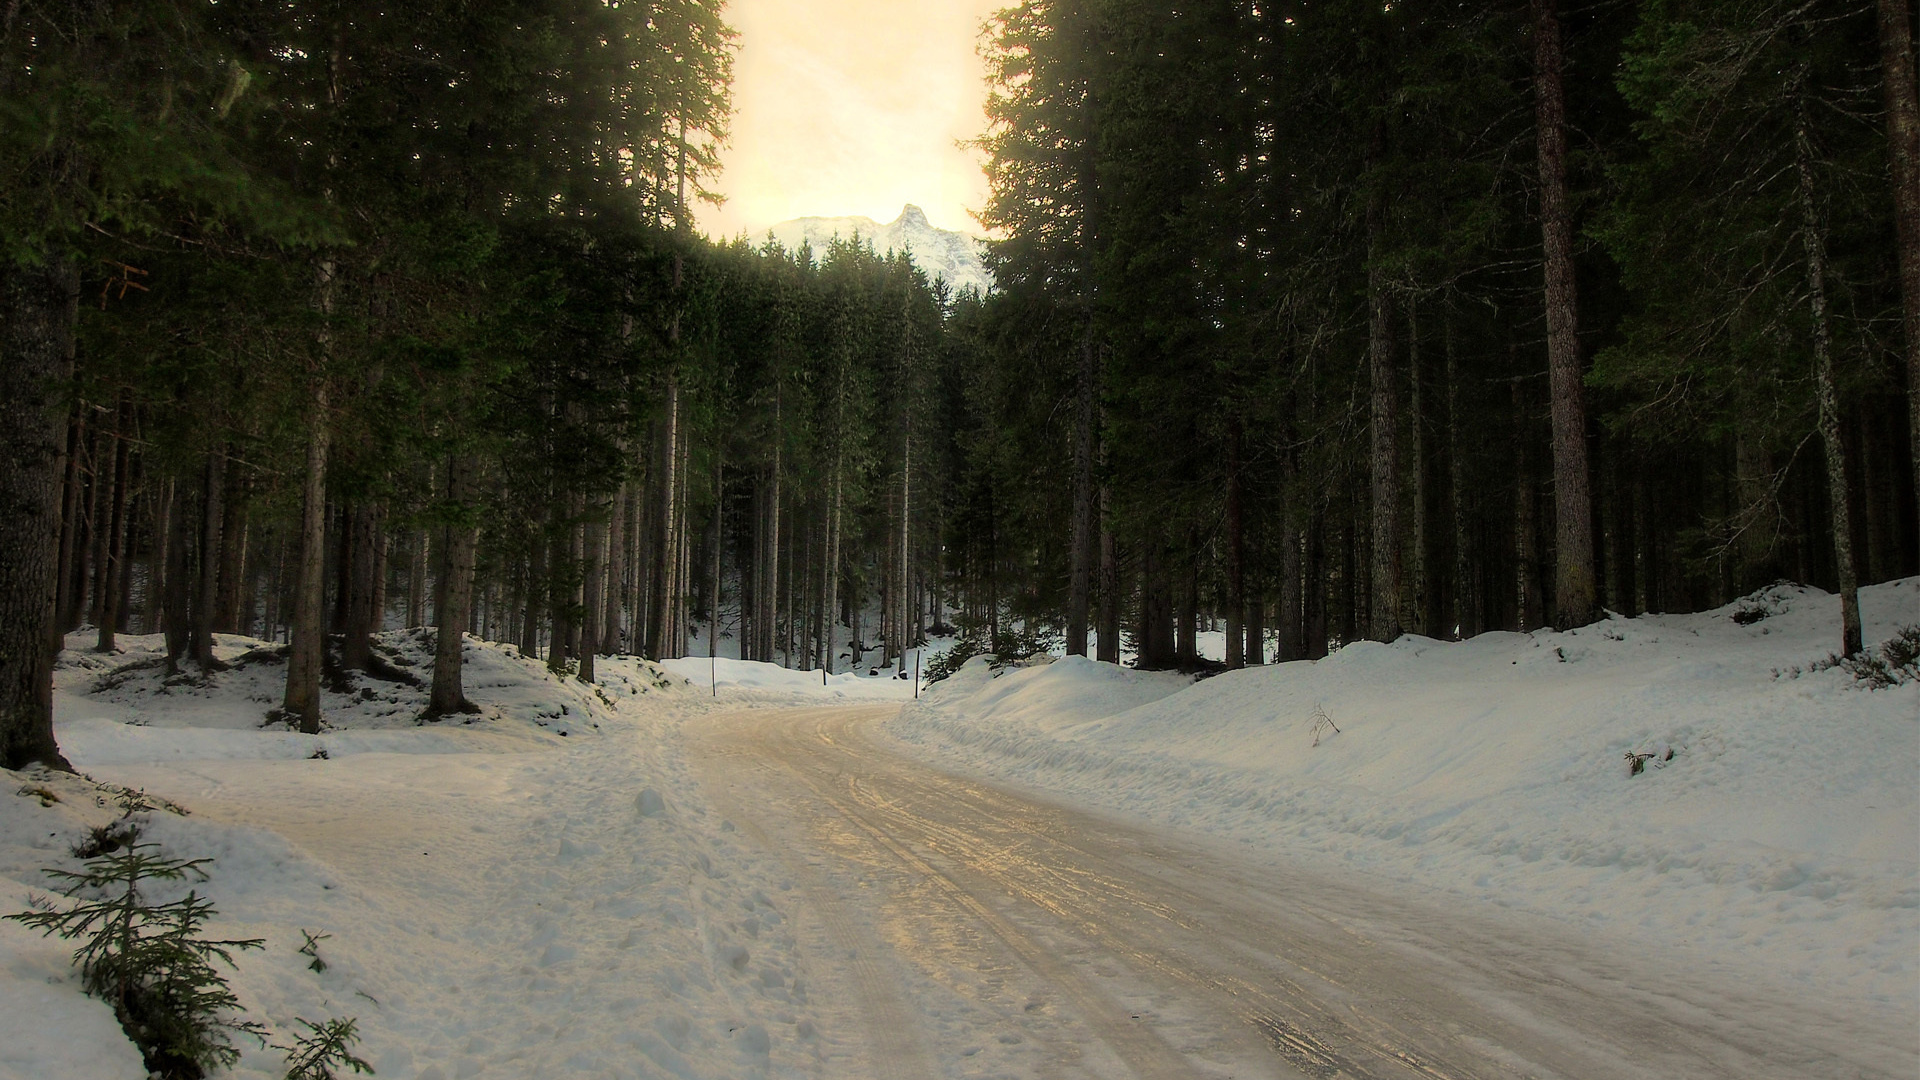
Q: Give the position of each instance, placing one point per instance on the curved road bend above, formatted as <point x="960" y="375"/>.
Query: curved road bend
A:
<point x="966" y="930"/>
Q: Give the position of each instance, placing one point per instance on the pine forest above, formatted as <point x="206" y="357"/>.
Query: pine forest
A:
<point x="1312" y="323"/>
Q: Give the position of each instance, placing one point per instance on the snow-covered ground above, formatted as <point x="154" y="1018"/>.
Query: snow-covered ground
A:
<point x="535" y="890"/>
<point x="545" y="888"/>
<point x="1783" y="833"/>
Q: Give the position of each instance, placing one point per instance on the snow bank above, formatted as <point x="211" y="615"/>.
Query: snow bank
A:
<point x="1784" y="830"/>
<point x="538" y="889"/>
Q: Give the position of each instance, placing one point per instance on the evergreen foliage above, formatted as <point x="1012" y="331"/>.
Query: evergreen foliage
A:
<point x="325" y="1049"/>
<point x="323" y="320"/>
<point x="148" y="959"/>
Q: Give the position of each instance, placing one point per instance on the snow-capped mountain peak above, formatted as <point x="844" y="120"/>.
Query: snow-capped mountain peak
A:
<point x="941" y="253"/>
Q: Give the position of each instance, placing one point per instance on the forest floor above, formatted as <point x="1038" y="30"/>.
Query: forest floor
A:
<point x="1057" y="869"/>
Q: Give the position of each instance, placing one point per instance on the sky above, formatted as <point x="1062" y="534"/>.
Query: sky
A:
<point x="853" y="107"/>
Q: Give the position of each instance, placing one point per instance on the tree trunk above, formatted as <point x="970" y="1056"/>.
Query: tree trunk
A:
<point x="1526" y="544"/>
<point x="536" y="583"/>
<point x="1384" y="606"/>
<point x="67" y="564"/>
<point x="593" y="592"/>
<point x="560" y="571"/>
<point x="615" y="574"/>
<point x="1316" y="584"/>
<point x="116" y="535"/>
<point x="233" y="553"/>
<point x="452" y="606"/>
<point x="306" y="630"/>
<point x="1574" y="600"/>
<point x="1080" y="557"/>
<point x="1290" y="619"/>
<point x="903" y="572"/>
<point x="207" y="589"/>
<point x="1422" y="587"/>
<point x="1466" y="598"/>
<point x="833" y="586"/>
<point x="417" y="580"/>
<point x="1109" y="648"/>
<point x="38" y="306"/>
<point x="1814" y="237"/>
<point x="1903" y="139"/>
<point x="158" y="559"/>
<point x="664" y="567"/>
<point x="1236" y="653"/>
<point x="99" y="469"/>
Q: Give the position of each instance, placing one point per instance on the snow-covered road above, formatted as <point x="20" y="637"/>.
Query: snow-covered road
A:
<point x="976" y="931"/>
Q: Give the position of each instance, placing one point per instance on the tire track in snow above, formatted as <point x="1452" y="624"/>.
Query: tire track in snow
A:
<point x="894" y="1048"/>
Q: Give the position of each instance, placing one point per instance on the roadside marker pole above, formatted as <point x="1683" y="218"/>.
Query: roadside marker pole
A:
<point x="916" y="674"/>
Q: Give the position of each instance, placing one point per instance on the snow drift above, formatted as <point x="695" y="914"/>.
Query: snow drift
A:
<point x="1775" y="819"/>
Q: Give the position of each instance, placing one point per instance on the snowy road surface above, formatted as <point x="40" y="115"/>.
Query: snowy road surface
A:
<point x="966" y="930"/>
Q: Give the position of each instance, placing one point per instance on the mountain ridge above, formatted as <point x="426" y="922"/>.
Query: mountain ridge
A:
<point x="941" y="253"/>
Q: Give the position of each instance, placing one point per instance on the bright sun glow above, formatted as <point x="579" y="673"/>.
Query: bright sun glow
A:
<point x="846" y="107"/>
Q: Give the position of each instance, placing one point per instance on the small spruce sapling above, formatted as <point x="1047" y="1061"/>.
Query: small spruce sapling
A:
<point x="312" y="949"/>
<point x="148" y="960"/>
<point x="323" y="1049"/>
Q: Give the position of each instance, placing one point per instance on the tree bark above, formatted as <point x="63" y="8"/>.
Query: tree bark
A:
<point x="1109" y="647"/>
<point x="1422" y="584"/>
<point x="233" y="562"/>
<point x="1080" y="557"/>
<point x="1813" y="236"/>
<point x="593" y="591"/>
<point x="1466" y="598"/>
<point x="116" y="536"/>
<point x="67" y="564"/>
<point x="452" y="607"/>
<point x="1384" y="608"/>
<point x="38" y="306"/>
<point x="306" y="630"/>
<point x="1314" y="599"/>
<point x="1903" y="139"/>
<point x="615" y="574"/>
<point x="1236" y="653"/>
<point x="1528" y="608"/>
<point x="1574" y="600"/>
<point x="207" y="590"/>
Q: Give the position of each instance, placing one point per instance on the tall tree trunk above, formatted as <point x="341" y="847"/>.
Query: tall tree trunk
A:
<point x="207" y="589"/>
<point x="664" y="567"/>
<point x="1528" y="608"/>
<point x="452" y="607"/>
<point x="1384" y="606"/>
<point x="38" y="306"/>
<point x="99" y="488"/>
<point x="116" y="535"/>
<point x="1466" y="598"/>
<point x="561" y="569"/>
<point x="306" y="630"/>
<point x="233" y="548"/>
<point x="1080" y="557"/>
<point x="363" y="559"/>
<point x="1574" y="600"/>
<point x="833" y="586"/>
<point x="1813" y="235"/>
<point x="1903" y="138"/>
<point x="417" y="579"/>
<point x="903" y="572"/>
<point x="67" y="564"/>
<point x="158" y="559"/>
<point x="536" y="585"/>
<point x="1423" y="588"/>
<point x="1236" y="654"/>
<point x="1109" y="648"/>
<point x="616" y="572"/>
<point x="593" y="592"/>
